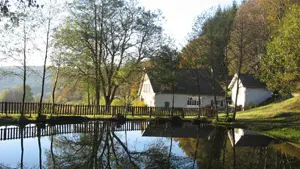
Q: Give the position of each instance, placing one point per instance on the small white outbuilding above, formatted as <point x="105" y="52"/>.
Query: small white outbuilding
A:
<point x="251" y="90"/>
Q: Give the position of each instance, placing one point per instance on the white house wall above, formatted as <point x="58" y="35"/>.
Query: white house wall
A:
<point x="241" y="96"/>
<point x="180" y="100"/>
<point x="255" y="96"/>
<point x="147" y="95"/>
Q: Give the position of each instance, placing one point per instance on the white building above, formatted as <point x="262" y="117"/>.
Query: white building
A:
<point x="251" y="90"/>
<point x="186" y="92"/>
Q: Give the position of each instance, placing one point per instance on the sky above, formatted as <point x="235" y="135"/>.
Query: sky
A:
<point x="179" y="18"/>
<point x="181" y="14"/>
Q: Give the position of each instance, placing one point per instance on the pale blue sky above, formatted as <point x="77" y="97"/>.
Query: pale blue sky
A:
<point x="180" y="14"/>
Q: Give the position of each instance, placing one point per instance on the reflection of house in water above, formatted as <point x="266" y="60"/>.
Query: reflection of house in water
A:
<point x="187" y="130"/>
<point x="245" y="138"/>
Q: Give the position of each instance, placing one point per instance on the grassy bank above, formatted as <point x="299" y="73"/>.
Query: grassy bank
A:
<point x="15" y="119"/>
<point x="277" y="119"/>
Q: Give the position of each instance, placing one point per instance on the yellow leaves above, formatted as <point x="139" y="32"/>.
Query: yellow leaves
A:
<point x="195" y="54"/>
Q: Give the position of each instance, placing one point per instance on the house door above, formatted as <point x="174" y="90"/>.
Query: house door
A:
<point x="167" y="104"/>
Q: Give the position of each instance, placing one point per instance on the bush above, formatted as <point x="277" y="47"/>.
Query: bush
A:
<point x="16" y="94"/>
<point x="138" y="103"/>
<point x="118" y="102"/>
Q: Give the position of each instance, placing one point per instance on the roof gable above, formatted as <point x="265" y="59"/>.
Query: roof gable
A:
<point x="248" y="81"/>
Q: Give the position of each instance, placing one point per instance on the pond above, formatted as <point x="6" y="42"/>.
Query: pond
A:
<point x="140" y="144"/>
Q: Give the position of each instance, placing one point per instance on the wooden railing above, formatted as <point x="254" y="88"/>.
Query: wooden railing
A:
<point x="84" y="110"/>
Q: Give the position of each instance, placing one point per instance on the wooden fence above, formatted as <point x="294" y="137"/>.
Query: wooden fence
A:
<point x="8" y="108"/>
<point x="31" y="131"/>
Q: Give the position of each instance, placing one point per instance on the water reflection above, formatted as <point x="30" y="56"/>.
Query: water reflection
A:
<point x="101" y="144"/>
<point x="104" y="149"/>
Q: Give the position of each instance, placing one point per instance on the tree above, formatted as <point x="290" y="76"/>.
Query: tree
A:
<point x="17" y="36"/>
<point x="281" y="64"/>
<point x="101" y="36"/>
<point x="208" y="47"/>
<point x="16" y="94"/>
<point x="275" y="11"/>
<point x="48" y="19"/>
<point x="164" y="68"/>
<point x="128" y="91"/>
<point x="247" y="40"/>
<point x="195" y="56"/>
<point x="56" y="72"/>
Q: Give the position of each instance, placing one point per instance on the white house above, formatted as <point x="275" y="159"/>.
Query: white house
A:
<point x="186" y="90"/>
<point x="251" y="90"/>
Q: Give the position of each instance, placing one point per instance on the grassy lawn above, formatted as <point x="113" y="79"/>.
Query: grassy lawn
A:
<point x="277" y="119"/>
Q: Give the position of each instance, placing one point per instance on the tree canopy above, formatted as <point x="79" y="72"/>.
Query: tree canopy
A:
<point x="101" y="37"/>
<point x="281" y="65"/>
<point x="15" y="94"/>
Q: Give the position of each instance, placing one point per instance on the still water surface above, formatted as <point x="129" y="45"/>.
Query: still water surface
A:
<point x="101" y="144"/>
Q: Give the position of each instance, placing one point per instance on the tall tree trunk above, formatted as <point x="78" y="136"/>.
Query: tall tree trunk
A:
<point x="198" y="90"/>
<point x="21" y="130"/>
<point x="89" y="95"/>
<point x="24" y="70"/>
<point x="233" y="147"/>
<point x="237" y="87"/>
<point x="51" y="149"/>
<point x="241" y="52"/>
<point x="40" y="146"/>
<point x="173" y="99"/>
<point x="53" y="90"/>
<point x="224" y="152"/>
<point x="170" y="153"/>
<point x="214" y="83"/>
<point x="226" y="82"/>
<point x="213" y="71"/>
<point x="196" y="152"/>
<point x="44" y="68"/>
<point x="108" y="102"/>
<point x="97" y="55"/>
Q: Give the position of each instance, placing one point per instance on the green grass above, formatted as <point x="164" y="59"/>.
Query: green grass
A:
<point x="287" y="110"/>
<point x="280" y="119"/>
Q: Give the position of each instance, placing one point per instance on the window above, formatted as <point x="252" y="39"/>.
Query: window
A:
<point x="167" y="104"/>
<point x="192" y="101"/>
<point x="146" y="88"/>
<point x="219" y="103"/>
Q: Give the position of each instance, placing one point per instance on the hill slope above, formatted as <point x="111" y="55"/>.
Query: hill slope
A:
<point x="285" y="109"/>
<point x="34" y="79"/>
<point x="277" y="119"/>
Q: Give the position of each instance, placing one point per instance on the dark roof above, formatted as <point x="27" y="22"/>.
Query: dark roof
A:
<point x="249" y="139"/>
<point x="250" y="81"/>
<point x="186" y="82"/>
<point x="189" y="131"/>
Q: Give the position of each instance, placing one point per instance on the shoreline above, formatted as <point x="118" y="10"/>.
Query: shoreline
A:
<point x="267" y="127"/>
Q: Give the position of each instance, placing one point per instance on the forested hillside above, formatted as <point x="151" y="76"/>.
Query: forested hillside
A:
<point x="10" y="78"/>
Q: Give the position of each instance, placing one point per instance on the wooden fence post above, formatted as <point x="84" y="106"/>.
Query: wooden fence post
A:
<point x="113" y="111"/>
<point x="132" y="111"/>
<point x="5" y="108"/>
<point x="182" y="114"/>
<point x="150" y="112"/>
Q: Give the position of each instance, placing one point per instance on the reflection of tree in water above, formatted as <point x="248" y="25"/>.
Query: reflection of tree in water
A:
<point x="104" y="149"/>
<point x="217" y="152"/>
<point x="201" y="149"/>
